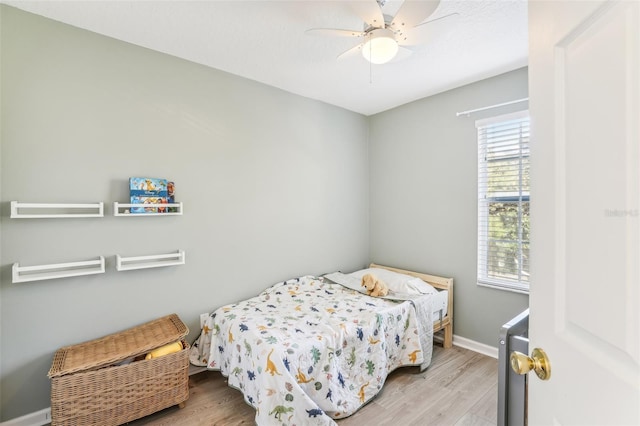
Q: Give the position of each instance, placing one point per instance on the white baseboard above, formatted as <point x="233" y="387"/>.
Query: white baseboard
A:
<point x="472" y="345"/>
<point x="38" y="418"/>
<point x="43" y="417"/>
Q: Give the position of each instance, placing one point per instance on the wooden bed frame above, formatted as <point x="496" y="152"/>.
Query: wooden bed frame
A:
<point x="446" y="325"/>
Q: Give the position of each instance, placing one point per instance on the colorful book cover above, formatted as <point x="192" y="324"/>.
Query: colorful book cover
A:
<point x="148" y="191"/>
<point x="171" y="196"/>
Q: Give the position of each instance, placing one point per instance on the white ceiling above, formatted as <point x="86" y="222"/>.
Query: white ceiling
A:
<point x="265" y="41"/>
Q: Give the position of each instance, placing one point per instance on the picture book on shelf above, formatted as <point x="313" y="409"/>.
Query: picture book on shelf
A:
<point x="148" y="191"/>
<point x="171" y="196"/>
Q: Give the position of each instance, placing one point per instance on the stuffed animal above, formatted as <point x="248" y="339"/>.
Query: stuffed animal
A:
<point x="375" y="287"/>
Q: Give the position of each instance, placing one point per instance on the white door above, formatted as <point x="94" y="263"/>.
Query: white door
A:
<point x="584" y="89"/>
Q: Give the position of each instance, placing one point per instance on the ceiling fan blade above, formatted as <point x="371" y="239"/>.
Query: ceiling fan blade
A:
<point x="437" y="21"/>
<point x="403" y="53"/>
<point x="330" y="32"/>
<point x="427" y="31"/>
<point x="354" y="51"/>
<point x="369" y="11"/>
<point x="413" y="12"/>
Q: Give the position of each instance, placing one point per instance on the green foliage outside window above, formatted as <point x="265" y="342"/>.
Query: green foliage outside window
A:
<point x="508" y="242"/>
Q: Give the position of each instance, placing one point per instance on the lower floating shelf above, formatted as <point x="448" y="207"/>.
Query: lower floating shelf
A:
<point x="22" y="274"/>
<point x="150" y="261"/>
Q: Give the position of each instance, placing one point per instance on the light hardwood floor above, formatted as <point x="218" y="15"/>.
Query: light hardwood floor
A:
<point x="459" y="388"/>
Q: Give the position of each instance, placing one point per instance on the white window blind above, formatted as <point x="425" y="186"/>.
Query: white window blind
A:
<point x="503" y="202"/>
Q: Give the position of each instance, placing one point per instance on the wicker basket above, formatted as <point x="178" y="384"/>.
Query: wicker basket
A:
<point x="89" y="388"/>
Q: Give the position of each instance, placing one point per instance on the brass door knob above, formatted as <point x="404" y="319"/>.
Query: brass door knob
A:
<point x="538" y="362"/>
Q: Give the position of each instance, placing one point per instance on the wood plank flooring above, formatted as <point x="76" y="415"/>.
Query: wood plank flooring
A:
<point x="460" y="388"/>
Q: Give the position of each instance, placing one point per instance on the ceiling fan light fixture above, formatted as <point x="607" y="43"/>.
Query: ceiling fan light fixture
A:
<point x="381" y="46"/>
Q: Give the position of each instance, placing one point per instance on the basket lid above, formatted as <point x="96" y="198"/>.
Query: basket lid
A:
<point x="118" y="346"/>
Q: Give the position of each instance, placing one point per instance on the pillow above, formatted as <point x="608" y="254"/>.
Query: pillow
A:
<point x="398" y="283"/>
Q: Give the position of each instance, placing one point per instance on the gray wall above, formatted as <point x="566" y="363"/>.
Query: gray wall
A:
<point x="423" y="183"/>
<point x="274" y="186"/>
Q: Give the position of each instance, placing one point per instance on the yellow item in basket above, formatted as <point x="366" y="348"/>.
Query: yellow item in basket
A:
<point x="165" y="350"/>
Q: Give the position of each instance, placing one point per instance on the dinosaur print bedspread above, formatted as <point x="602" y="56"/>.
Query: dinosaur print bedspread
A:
<point x="307" y="351"/>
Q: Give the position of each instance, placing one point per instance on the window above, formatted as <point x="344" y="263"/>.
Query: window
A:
<point x="503" y="202"/>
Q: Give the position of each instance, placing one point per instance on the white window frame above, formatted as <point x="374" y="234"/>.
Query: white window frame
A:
<point x="519" y="285"/>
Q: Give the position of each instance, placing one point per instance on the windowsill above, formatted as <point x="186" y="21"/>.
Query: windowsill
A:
<point x="500" y="287"/>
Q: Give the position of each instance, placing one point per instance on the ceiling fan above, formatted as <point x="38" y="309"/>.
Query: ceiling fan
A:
<point x="385" y="37"/>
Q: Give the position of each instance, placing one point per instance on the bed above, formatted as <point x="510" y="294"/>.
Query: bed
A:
<point x="311" y="350"/>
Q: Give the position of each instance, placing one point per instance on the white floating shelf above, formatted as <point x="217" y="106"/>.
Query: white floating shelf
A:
<point x="150" y="261"/>
<point x="120" y="209"/>
<point x="22" y="274"/>
<point x="55" y="210"/>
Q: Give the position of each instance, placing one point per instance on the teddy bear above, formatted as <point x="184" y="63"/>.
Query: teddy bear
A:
<point x="375" y="287"/>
